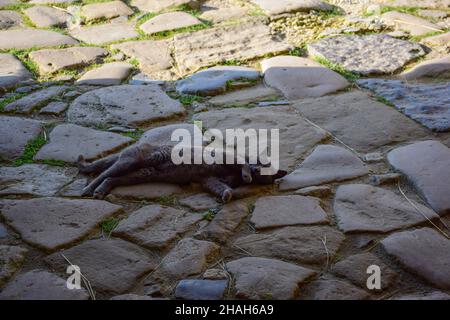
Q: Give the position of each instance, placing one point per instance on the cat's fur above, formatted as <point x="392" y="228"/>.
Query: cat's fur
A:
<point x="143" y="163"/>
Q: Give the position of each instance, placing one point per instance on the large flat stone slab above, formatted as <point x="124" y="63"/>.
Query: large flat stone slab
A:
<point x="52" y="223"/>
<point x="236" y="42"/>
<point x="156" y="226"/>
<point x="262" y="278"/>
<point x="423" y="252"/>
<point x="111" y="265"/>
<point x="5" y="3"/>
<point x="41" y="285"/>
<point x="438" y="67"/>
<point x="429" y="172"/>
<point x="45" y="17"/>
<point x="123" y="105"/>
<point x="406" y="22"/>
<point x="360" y="121"/>
<point x="332" y="289"/>
<point x="147" y="191"/>
<point x="301" y="78"/>
<point x="278" y="211"/>
<point x="53" y="60"/>
<point x="437" y="40"/>
<point x="428" y="104"/>
<point x="32" y="38"/>
<point x="11" y="259"/>
<point x="297" y="244"/>
<point x="109" y="74"/>
<point x="387" y="54"/>
<point x="169" y="21"/>
<point x="273" y="8"/>
<point x="104" y="33"/>
<point x="10" y="19"/>
<point x="363" y="208"/>
<point x="34" y="180"/>
<point x="326" y="164"/>
<point x="12" y="71"/>
<point x="68" y="141"/>
<point x="243" y="97"/>
<point x="161" y="136"/>
<point x="15" y="134"/>
<point x="160" y="5"/>
<point x="297" y="136"/>
<point x="106" y="10"/>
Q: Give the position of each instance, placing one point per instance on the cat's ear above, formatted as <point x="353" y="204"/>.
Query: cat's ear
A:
<point x="280" y="174"/>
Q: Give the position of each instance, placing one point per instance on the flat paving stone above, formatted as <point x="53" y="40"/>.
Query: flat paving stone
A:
<point x="423" y="252"/>
<point x="54" y="108"/>
<point x="218" y="11"/>
<point x="109" y="74"/>
<point x="406" y="22"/>
<point x="52" y="223"/>
<point x="123" y="105"/>
<point x="15" y="133"/>
<point x="326" y="164"/>
<point x="68" y="141"/>
<point x="34" y="179"/>
<point x="156" y="226"/>
<point x="50" y="1"/>
<point x="273" y="8"/>
<point x="435" y="295"/>
<point x="5" y="3"/>
<point x="354" y="268"/>
<point x="10" y="19"/>
<point x="300" y="78"/>
<point x="12" y="71"/>
<point x="438" y="67"/>
<point x="36" y="99"/>
<point x="262" y="278"/>
<point x="157" y="6"/>
<point x="315" y="191"/>
<point x="387" y="54"/>
<point x="41" y="285"/>
<point x="104" y="33"/>
<point x="214" y="46"/>
<point x="428" y="104"/>
<point x="169" y="21"/>
<point x="297" y="244"/>
<point x="161" y="136"/>
<point x="290" y="210"/>
<point x="199" y="202"/>
<point x="438" y="40"/>
<point x="214" y="80"/>
<point x="132" y="296"/>
<point x="106" y="10"/>
<point x="147" y="191"/>
<point x="54" y="60"/>
<point x="111" y="265"/>
<point x="201" y="289"/>
<point x="429" y="172"/>
<point x="11" y="259"/>
<point x="154" y="57"/>
<point x="331" y="289"/>
<point x="33" y="38"/>
<point x="44" y="17"/>
<point x="364" y="208"/>
<point x="246" y="96"/>
<point x="297" y="135"/>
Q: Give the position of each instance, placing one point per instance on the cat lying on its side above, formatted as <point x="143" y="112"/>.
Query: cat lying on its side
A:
<point x="143" y="163"/>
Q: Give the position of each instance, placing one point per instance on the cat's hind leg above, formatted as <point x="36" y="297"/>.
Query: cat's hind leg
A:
<point x="218" y="188"/>
<point x="96" y="166"/>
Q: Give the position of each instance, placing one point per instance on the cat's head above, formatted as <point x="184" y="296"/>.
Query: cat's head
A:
<point x="259" y="178"/>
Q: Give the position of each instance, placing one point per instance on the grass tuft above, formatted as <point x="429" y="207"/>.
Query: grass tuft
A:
<point x="8" y="100"/>
<point x="109" y="225"/>
<point x="31" y="148"/>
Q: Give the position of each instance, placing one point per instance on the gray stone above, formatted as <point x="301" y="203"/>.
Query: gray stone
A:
<point x="435" y="295"/>
<point x="315" y="191"/>
<point x="245" y="96"/>
<point x="104" y="33"/>
<point x="279" y="211"/>
<point x="297" y="135"/>
<point x="34" y="180"/>
<point x="161" y="136"/>
<point x="105" y="10"/>
<point x="354" y="268"/>
<point x="438" y="40"/>
<point x="53" y="60"/>
<point x="111" y="265"/>
<point x="201" y="289"/>
<point x="143" y="79"/>
<point x="315" y="245"/>
<point x="41" y="285"/>
<point x="123" y="105"/>
<point x="388" y="178"/>
<point x="146" y="191"/>
<point x="10" y="19"/>
<point x="44" y="17"/>
<point x="218" y="11"/>
<point x="12" y="71"/>
<point x="51" y="1"/>
<point x="5" y="3"/>
<point x="35" y="100"/>
<point x="215" y="274"/>
<point x="373" y="157"/>
<point x="423" y="252"/>
<point x="3" y="231"/>
<point x="199" y="202"/>
<point x="15" y="134"/>
<point x="244" y="41"/>
<point x="131" y="296"/>
<point x="52" y="223"/>
<point x="387" y="54"/>
<point x="74" y="189"/>
<point x="428" y="104"/>
<point x="326" y="164"/>
<point x="433" y="14"/>
<point x="32" y="38"/>
<point x="300" y="78"/>
<point x="261" y="278"/>
<point x="156" y="226"/>
<point x="109" y="74"/>
<point x="68" y="141"/>
<point x="414" y="25"/>
<point x="361" y="122"/>
<point x="363" y="208"/>
<point x="429" y="172"/>
<point x="330" y="289"/>
<point x="169" y="21"/>
<point x="215" y="80"/>
<point x="157" y="6"/>
<point x="273" y="8"/>
<point x="54" y="108"/>
<point x="429" y="68"/>
<point x="11" y="259"/>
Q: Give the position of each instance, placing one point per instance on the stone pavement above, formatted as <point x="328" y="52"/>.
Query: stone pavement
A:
<point x="360" y="95"/>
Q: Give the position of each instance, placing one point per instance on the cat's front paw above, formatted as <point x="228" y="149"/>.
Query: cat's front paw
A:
<point x="227" y="195"/>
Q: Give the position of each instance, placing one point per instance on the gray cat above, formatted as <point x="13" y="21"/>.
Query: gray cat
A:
<point x="143" y="163"/>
